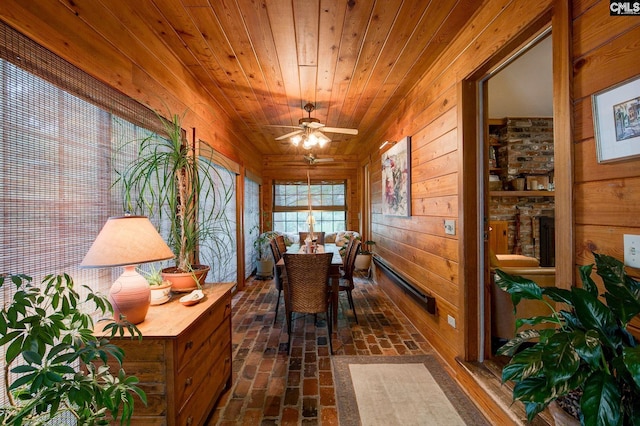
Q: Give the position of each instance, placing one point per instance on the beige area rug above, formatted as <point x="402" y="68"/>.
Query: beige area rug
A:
<point x="399" y="390"/>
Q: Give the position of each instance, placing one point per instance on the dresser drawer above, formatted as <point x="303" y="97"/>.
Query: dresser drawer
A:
<point x="199" y="332"/>
<point x="189" y="379"/>
<point x="214" y="382"/>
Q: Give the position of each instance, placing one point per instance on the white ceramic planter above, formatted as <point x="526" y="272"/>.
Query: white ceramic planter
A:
<point x="160" y="293"/>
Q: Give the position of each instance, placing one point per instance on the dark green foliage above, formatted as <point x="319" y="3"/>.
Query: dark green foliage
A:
<point x="589" y="350"/>
<point x="59" y="365"/>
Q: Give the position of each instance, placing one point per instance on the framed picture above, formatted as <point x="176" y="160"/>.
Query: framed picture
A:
<point x="616" y="120"/>
<point x="396" y="179"/>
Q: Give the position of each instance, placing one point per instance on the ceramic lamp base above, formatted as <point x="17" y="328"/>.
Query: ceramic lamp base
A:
<point x="130" y="296"/>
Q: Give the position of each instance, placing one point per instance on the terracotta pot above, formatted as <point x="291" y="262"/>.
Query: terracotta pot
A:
<point x="185" y="281"/>
<point x="561" y="417"/>
<point x="160" y="293"/>
<point x="363" y="262"/>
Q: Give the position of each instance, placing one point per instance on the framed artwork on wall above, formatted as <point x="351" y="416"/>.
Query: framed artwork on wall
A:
<point x="396" y="179"/>
<point x="616" y="120"/>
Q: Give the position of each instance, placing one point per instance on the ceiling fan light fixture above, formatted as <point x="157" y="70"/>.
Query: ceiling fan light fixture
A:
<point x="295" y="140"/>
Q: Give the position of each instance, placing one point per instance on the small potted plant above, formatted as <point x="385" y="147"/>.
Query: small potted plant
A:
<point x="588" y="350"/>
<point x="160" y="288"/>
<point x="265" y="263"/>
<point x="363" y="259"/>
<point x="53" y="364"/>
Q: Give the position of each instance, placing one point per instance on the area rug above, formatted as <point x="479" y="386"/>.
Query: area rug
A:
<point x="399" y="390"/>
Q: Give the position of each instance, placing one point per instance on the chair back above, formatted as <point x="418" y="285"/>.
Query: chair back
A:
<point x="319" y="237"/>
<point x="274" y="250"/>
<point x="282" y="246"/>
<point x="307" y="287"/>
<point x="350" y="260"/>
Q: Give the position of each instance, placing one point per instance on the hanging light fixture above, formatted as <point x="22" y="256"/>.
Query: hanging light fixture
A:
<point x="310" y="139"/>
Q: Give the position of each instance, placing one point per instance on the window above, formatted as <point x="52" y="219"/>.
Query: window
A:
<point x="251" y="223"/>
<point x="291" y="206"/>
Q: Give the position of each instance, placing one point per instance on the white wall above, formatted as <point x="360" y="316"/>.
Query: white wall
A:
<point x="524" y="88"/>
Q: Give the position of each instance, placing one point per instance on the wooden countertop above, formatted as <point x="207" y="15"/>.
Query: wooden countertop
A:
<point x="172" y="318"/>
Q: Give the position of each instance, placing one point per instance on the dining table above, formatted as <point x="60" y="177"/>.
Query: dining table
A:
<point x="334" y="272"/>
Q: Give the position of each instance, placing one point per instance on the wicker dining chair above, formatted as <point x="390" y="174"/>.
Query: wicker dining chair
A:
<point x="307" y="289"/>
<point x="282" y="246"/>
<point x="278" y="274"/>
<point x="346" y="280"/>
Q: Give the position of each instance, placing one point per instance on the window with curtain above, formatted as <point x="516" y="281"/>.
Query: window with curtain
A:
<point x="251" y="224"/>
<point x="291" y="206"/>
<point x="63" y="136"/>
<point x="57" y="160"/>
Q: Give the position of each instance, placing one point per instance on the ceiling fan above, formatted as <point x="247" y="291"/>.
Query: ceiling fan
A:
<point x="312" y="159"/>
<point x="311" y="131"/>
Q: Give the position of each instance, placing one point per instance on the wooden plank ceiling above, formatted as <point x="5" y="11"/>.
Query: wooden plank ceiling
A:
<point x="263" y="60"/>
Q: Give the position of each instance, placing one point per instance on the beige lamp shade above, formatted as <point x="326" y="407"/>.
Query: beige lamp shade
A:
<point x="126" y="240"/>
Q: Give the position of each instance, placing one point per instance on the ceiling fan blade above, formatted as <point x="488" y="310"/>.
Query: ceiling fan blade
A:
<point x="340" y="130"/>
<point x="314" y="125"/>
<point x="288" y="135"/>
<point x="324" y="160"/>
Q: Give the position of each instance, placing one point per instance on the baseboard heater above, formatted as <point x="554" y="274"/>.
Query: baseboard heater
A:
<point x="428" y="302"/>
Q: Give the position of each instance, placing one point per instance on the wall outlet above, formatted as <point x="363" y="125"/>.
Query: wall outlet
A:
<point x="451" y="320"/>
<point x="632" y="250"/>
<point x="450" y="227"/>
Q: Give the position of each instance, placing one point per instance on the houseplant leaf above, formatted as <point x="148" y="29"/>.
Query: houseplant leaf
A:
<point x="559" y="358"/>
<point x="596" y="315"/>
<point x="601" y="400"/>
<point x="518" y="287"/>
<point x="631" y="358"/>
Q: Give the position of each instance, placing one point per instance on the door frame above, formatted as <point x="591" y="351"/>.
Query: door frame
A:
<point x="476" y="294"/>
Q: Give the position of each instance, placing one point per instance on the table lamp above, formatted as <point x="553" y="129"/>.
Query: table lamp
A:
<point x="128" y="241"/>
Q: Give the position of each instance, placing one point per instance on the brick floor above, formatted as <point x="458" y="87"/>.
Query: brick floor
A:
<point x="271" y="387"/>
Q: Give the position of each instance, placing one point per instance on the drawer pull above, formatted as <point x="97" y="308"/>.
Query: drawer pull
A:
<point x="188" y="381"/>
<point x="189" y="420"/>
<point x="189" y="344"/>
<point x="227" y="309"/>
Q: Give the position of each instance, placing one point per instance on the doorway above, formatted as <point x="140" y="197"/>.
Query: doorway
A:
<point x="519" y="167"/>
<point x="474" y="109"/>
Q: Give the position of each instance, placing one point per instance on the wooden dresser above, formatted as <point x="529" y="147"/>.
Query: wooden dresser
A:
<point x="184" y="359"/>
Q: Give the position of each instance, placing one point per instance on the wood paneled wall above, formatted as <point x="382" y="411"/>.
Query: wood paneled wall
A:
<point x="293" y="167"/>
<point x="607" y="196"/>
<point x="429" y="113"/>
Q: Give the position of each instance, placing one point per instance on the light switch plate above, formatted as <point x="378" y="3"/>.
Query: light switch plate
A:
<point x="450" y="227"/>
<point x="632" y="250"/>
<point x="451" y="320"/>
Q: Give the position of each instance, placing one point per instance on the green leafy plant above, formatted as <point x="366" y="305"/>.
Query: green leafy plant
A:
<point x="153" y="276"/>
<point x="58" y="364"/>
<point x="588" y="349"/>
<point x="168" y="181"/>
<point x="367" y="247"/>
<point x="261" y="244"/>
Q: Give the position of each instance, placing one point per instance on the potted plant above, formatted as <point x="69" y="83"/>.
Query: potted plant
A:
<point x="46" y="333"/>
<point x="588" y="350"/>
<point x="160" y="288"/>
<point x="167" y="182"/>
<point x="265" y="259"/>
<point x="363" y="259"/>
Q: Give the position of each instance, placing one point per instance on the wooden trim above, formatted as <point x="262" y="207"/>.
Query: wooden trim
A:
<point x="469" y="297"/>
<point x="563" y="143"/>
